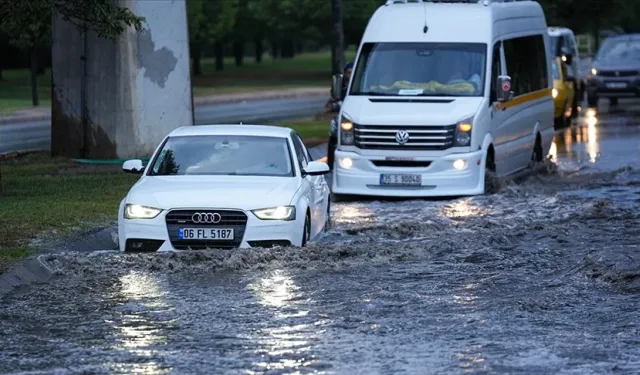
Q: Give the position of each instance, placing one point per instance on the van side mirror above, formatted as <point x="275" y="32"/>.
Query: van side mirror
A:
<point x="503" y="89"/>
<point x="336" y="87"/>
<point x="567" y="58"/>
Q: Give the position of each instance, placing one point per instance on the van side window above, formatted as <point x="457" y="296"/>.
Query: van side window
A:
<point x="526" y="63"/>
<point x="495" y="72"/>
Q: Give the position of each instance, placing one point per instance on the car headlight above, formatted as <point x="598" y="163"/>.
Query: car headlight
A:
<point x="136" y="211"/>
<point x="554" y="93"/>
<point x="286" y="213"/>
<point x="347" y="137"/>
<point x="463" y="133"/>
<point x="594" y="71"/>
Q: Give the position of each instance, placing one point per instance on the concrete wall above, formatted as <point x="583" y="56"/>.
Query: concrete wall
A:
<point x="137" y="89"/>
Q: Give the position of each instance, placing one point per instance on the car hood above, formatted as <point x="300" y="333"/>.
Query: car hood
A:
<point x="239" y="192"/>
<point x="362" y="110"/>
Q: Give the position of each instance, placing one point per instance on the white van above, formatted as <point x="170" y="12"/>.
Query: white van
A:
<point x="441" y="94"/>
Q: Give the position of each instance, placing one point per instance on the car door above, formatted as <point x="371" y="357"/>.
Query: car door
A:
<point x="310" y="185"/>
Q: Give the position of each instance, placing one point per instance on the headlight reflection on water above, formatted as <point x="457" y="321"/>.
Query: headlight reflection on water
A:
<point x="142" y="324"/>
<point x="287" y="341"/>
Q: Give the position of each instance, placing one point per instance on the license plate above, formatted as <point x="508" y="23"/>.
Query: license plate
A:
<point x="401" y="179"/>
<point x="205" y="234"/>
<point x="616" y="85"/>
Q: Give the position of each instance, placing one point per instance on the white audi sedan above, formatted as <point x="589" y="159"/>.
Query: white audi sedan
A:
<point x="225" y="186"/>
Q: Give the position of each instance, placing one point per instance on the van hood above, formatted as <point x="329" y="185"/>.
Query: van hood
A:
<point x="403" y="110"/>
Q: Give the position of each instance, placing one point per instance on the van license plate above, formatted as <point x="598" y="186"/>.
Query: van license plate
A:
<point x="401" y="179"/>
<point x="616" y="85"/>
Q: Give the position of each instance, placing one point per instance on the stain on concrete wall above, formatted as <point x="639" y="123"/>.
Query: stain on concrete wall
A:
<point x="137" y="89"/>
<point x="157" y="63"/>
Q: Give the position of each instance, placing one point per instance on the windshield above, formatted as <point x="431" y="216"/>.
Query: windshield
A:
<point x="224" y="155"/>
<point x="620" y="51"/>
<point x="424" y="69"/>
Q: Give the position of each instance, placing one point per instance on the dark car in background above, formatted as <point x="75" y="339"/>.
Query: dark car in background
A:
<point x="615" y="71"/>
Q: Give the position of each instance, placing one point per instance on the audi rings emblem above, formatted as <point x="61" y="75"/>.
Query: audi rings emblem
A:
<point x="206" y="218"/>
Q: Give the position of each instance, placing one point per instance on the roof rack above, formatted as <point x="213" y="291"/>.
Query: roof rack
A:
<point x="485" y="2"/>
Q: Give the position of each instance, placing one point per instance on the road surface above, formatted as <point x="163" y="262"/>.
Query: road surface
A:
<point x="542" y="277"/>
<point x="36" y="135"/>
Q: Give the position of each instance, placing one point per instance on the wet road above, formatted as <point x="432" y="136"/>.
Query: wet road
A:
<point x="36" y="135"/>
<point x="541" y="277"/>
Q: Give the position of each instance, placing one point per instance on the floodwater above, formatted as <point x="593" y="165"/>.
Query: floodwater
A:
<point x="541" y="277"/>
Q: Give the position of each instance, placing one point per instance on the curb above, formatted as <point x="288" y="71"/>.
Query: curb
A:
<point x="19" y="119"/>
<point x="28" y="271"/>
<point x="35" y="270"/>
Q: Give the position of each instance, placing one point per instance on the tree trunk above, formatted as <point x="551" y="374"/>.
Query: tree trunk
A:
<point x="288" y="49"/>
<point x="337" y="42"/>
<point x="34" y="78"/>
<point x="219" y="52"/>
<point x="196" y="50"/>
<point x="238" y="51"/>
<point x="259" y="50"/>
<point x="1" y="78"/>
<point x="274" y="50"/>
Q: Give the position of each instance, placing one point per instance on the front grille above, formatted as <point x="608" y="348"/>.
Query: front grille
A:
<point x="619" y="73"/>
<point x="383" y="137"/>
<point x="142" y="245"/>
<point x="236" y="220"/>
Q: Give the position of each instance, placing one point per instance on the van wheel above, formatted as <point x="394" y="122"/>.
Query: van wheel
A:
<point x="490" y="177"/>
<point x="327" y="224"/>
<point x="536" y="156"/>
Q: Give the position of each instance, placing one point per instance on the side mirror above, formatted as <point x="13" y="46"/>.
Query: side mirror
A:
<point x="316" y="168"/>
<point x="567" y="58"/>
<point x="504" y="92"/>
<point x="133" y="166"/>
<point x="336" y="87"/>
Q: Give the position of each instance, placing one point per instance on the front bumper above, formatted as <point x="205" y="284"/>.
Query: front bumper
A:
<point x="439" y="178"/>
<point x="613" y="86"/>
<point x="160" y="233"/>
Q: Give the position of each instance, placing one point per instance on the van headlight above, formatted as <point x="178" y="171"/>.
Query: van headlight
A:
<point x="462" y="136"/>
<point x="286" y="213"/>
<point x="136" y="211"/>
<point x="347" y="136"/>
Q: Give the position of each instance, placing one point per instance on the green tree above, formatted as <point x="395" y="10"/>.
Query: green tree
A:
<point x="28" y="23"/>
<point x="210" y="21"/>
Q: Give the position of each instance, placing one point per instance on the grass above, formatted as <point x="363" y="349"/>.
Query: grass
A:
<point x="42" y="196"/>
<point x="305" y="70"/>
<point x="310" y="130"/>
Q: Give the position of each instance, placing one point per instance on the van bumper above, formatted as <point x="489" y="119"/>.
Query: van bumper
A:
<point x="439" y="179"/>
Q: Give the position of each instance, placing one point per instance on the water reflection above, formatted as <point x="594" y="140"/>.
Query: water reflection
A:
<point x="580" y="142"/>
<point x="141" y="324"/>
<point x="286" y="342"/>
<point x="463" y="208"/>
<point x="352" y="213"/>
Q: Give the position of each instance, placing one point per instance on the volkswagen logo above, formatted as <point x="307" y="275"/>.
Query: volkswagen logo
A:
<point x="402" y="137"/>
<point x="206" y="218"/>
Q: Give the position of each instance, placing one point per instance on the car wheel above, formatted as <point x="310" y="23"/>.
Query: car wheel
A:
<point x="574" y="108"/>
<point x="306" y="232"/>
<point x="327" y="224"/>
<point x="592" y="100"/>
<point x="567" y="120"/>
<point x="558" y="122"/>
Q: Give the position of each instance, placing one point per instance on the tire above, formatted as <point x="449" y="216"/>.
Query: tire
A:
<point x="567" y="121"/>
<point x="558" y="122"/>
<point x="327" y="223"/>
<point x="613" y="101"/>
<point x="331" y="151"/>
<point x="536" y="155"/>
<point x="574" y="107"/>
<point x="489" y="174"/>
<point x="592" y="100"/>
<point x="306" y="232"/>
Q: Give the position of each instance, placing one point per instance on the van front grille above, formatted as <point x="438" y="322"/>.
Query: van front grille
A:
<point x="385" y="137"/>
